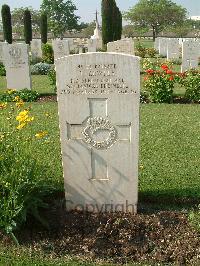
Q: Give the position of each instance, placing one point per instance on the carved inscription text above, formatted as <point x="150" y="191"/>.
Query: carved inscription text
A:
<point x="97" y="79"/>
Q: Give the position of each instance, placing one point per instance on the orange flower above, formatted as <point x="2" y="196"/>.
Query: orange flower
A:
<point x="164" y="67"/>
<point x="150" y="71"/>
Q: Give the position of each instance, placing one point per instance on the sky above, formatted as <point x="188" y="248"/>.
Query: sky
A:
<point x="87" y="8"/>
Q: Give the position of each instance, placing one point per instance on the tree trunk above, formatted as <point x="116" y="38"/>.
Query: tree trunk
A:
<point x="154" y="33"/>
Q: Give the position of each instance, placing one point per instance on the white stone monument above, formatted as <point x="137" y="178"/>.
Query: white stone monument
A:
<point x="162" y="46"/>
<point x="125" y="46"/>
<point x="2" y="44"/>
<point x="97" y="34"/>
<point x="173" y="49"/>
<point x="36" y="48"/>
<point x="98" y="99"/>
<point x="156" y="44"/>
<point x="17" y="66"/>
<point x="60" y="48"/>
<point x="92" y="45"/>
<point x="190" y="55"/>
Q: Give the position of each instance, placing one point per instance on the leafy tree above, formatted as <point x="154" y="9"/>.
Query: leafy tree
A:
<point x="89" y="30"/>
<point x="183" y="29"/>
<point x="156" y="14"/>
<point x="61" y="14"/>
<point x="111" y="21"/>
<point x="43" y="27"/>
<point x="17" y="22"/>
<point x="27" y="27"/>
<point x="7" y="24"/>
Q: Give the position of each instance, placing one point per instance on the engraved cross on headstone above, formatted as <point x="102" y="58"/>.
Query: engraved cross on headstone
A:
<point x="100" y="134"/>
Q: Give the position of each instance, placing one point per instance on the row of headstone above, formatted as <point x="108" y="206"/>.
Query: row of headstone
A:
<point x="189" y="50"/>
<point x="125" y="46"/>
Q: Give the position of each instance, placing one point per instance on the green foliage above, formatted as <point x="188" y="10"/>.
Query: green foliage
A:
<point x="156" y="15"/>
<point x="25" y="94"/>
<point x="194" y="218"/>
<point x="43" y="27"/>
<point x="7" y="26"/>
<point x="47" y="53"/>
<point x="141" y="50"/>
<point x="191" y="82"/>
<point x="110" y="21"/>
<point x="27" y="27"/>
<point x="22" y="187"/>
<point x="52" y="78"/>
<point x="40" y="69"/>
<point x="159" y="83"/>
<point x="61" y="15"/>
<point x="151" y="52"/>
<point x="17" y="22"/>
<point x="2" y="70"/>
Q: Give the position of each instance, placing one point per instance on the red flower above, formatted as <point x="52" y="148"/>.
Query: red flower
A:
<point x="164" y="67"/>
<point x="146" y="78"/>
<point x="150" y="71"/>
<point x="171" y="78"/>
<point x="168" y="71"/>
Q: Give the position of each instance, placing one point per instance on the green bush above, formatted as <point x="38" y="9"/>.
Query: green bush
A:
<point x="25" y="94"/>
<point x="47" y="53"/>
<point x="191" y="82"/>
<point x="140" y="50"/>
<point x="151" y="52"/>
<point x="2" y="70"/>
<point x="52" y="77"/>
<point x="22" y="187"/>
<point x="40" y="69"/>
<point x="159" y="83"/>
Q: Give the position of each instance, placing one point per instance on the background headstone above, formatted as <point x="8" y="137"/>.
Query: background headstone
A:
<point x="36" y="48"/>
<point x="125" y="46"/>
<point x="98" y="99"/>
<point x="2" y="44"/>
<point x="92" y="45"/>
<point x="173" y="49"/>
<point x="190" y="55"/>
<point x="60" y="48"/>
<point x="163" y="46"/>
<point x="17" y="66"/>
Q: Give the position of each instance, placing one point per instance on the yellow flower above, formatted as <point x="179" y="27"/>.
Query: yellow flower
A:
<point x="41" y="134"/>
<point x="11" y="91"/>
<point x="21" y="125"/>
<point x="20" y="103"/>
<point x="23" y="115"/>
<point x="16" y="99"/>
<point x="3" y="105"/>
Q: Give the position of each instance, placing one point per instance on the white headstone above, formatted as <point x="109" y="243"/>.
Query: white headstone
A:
<point x="17" y="66"/>
<point x="2" y="44"/>
<point x="36" y="48"/>
<point x="173" y="49"/>
<point x="156" y="44"/>
<point x="163" y="46"/>
<point x="92" y="45"/>
<point x="125" y="46"/>
<point x="190" y="55"/>
<point x="60" y="48"/>
<point x="98" y="99"/>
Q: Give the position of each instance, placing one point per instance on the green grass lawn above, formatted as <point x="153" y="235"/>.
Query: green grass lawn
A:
<point x="40" y="83"/>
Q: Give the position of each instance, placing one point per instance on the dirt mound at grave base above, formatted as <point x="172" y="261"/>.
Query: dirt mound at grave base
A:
<point x="164" y="237"/>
